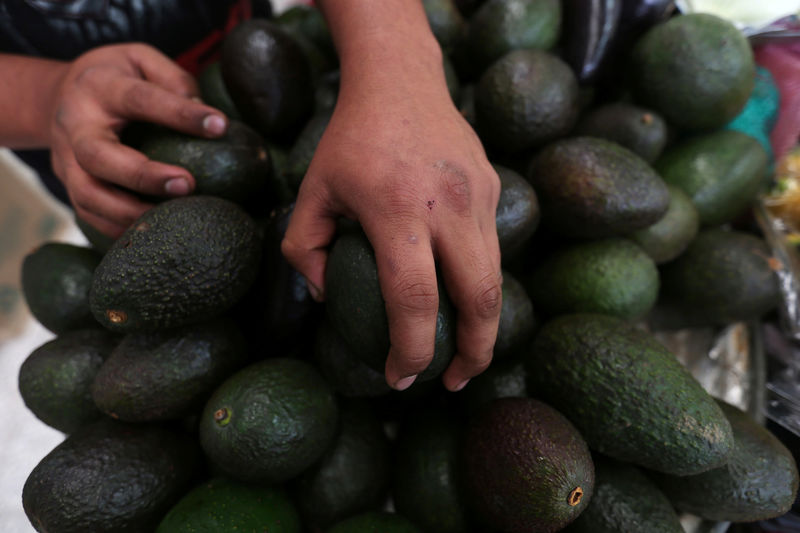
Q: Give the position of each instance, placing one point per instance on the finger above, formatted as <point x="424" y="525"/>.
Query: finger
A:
<point x="473" y="281"/>
<point x="408" y="282"/>
<point x="137" y="99"/>
<point x="102" y="156"/>
<point x="161" y="70"/>
<point x="311" y="228"/>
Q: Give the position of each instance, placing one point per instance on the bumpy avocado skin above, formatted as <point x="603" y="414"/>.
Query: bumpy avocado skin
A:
<point x="184" y="261"/>
<point x="758" y="482"/>
<point x="629" y="396"/>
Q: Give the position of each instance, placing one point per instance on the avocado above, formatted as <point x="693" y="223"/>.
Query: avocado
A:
<point x="184" y="261"/>
<point x="525" y="99"/>
<point x="307" y="20"/>
<point x="697" y="70"/>
<point x="426" y="486"/>
<point x="722" y="277"/>
<point x="501" y="26"/>
<point x="630" y="398"/>
<point x="56" y="280"/>
<point x="221" y="504"/>
<point x="345" y="371"/>
<point x="235" y="166"/>
<point x="375" y="522"/>
<point x="640" y="130"/>
<point x="269" y="421"/>
<point x="213" y="91"/>
<point x="55" y="379"/>
<point x="668" y="238"/>
<point x="525" y="466"/>
<point x="110" y="477"/>
<point x="517" y="320"/>
<point x="503" y="379"/>
<point x="758" y="482"/>
<point x="722" y="172"/>
<point x="97" y="240"/>
<point x="355" y="307"/>
<point x="447" y="23"/>
<point x="591" y="188"/>
<point x="625" y="501"/>
<point x="163" y="375"/>
<point x="517" y="215"/>
<point x="268" y="77"/>
<point x="353" y="474"/>
<point x="304" y="147"/>
<point x="452" y="80"/>
<point x="610" y="276"/>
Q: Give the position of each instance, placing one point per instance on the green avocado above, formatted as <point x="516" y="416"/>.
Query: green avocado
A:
<point x="517" y="323"/>
<point x="184" y="261"/>
<point x="110" y="477"/>
<point x="627" y="394"/>
<point x="213" y="91"/>
<point x="447" y="23"/>
<point x="640" y="130"/>
<point x="669" y="237"/>
<point x="517" y="215"/>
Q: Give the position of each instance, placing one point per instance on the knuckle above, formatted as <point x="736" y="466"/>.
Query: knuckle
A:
<point x="136" y="98"/>
<point x="488" y="298"/>
<point x="455" y="186"/>
<point x="415" y="294"/>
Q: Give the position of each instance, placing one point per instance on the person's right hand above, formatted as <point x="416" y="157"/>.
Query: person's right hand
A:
<point x="98" y="94"/>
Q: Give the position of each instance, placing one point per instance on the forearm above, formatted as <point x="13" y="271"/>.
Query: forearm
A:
<point x="27" y="92"/>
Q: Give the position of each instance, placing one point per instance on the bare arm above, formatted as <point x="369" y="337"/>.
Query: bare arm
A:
<point x="398" y="157"/>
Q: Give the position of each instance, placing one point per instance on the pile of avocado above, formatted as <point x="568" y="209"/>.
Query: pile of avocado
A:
<point x="202" y="389"/>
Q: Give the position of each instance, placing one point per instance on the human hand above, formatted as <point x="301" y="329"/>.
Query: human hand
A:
<point x="98" y="94"/>
<point x="402" y="161"/>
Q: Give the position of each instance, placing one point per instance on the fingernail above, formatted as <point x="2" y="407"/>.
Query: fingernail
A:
<point x="177" y="186"/>
<point x="315" y="291"/>
<point x="197" y="99"/>
<point x="214" y="124"/>
<point x="403" y="384"/>
<point x="460" y="385"/>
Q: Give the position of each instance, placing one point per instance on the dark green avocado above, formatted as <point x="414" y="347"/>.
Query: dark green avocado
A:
<point x="517" y="212"/>
<point x="627" y="394"/>
<point x="640" y="130"/>
<point x="668" y="238"/>
<point x="518" y="322"/>
<point x="184" y="261"/>
<point x="213" y="91"/>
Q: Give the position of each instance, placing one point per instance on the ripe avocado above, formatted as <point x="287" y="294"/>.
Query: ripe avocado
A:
<point x="517" y="212"/>
<point x="696" y="69"/>
<point x="353" y="474"/>
<point x="56" y="279"/>
<point x="184" y="261"/>
<point x="525" y="467"/>
<point x="517" y="320"/>
<point x="268" y="77"/>
<point x="307" y="20"/>
<point x="722" y="172"/>
<point x="426" y="485"/>
<point x="590" y="188"/>
<point x="668" y="238"/>
<point x="213" y="91"/>
<point x="355" y="306"/>
<point x="758" y="482"/>
<point x="235" y="166"/>
<point x="375" y="522"/>
<point x="110" y="477"/>
<point x="56" y="378"/>
<point x="625" y="501"/>
<point x="640" y="130"/>
<point x="525" y="99"/>
<point x="609" y="276"/>
<point x="722" y="277"/>
<point x="163" y="375"/>
<point x="222" y="504"/>
<point x="269" y="421"/>
<point x="629" y="396"/>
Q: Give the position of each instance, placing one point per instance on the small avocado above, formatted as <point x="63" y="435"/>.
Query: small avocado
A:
<point x="591" y="188"/>
<point x="426" y="485"/>
<point x="758" y="482"/>
<point x="525" y="99"/>
<point x="722" y="277"/>
<point x="525" y="466"/>
<point x="163" y="375"/>
<point x="353" y="474"/>
<point x="625" y="501"/>
<point x="640" y="130"/>
<point x="308" y="21"/>
<point x="503" y="379"/>
<point x="213" y="91"/>
<point x="110" y="477"/>
<point x="447" y="23"/>
<point x="304" y="147"/>
<point x="517" y="214"/>
<point x="375" y="522"/>
<point x="55" y="380"/>
<point x="610" y="276"/>
<point x="268" y="77"/>
<point x="722" y="172"/>
<point x="184" y="261"/>
<point x="97" y="239"/>
<point x="355" y="307"/>
<point x="668" y="238"/>
<point x="221" y="504"/>
<point x="518" y="322"/>
<point x="627" y="394"/>
<point x="269" y="421"/>
<point x="696" y="69"/>
<point x="56" y="281"/>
